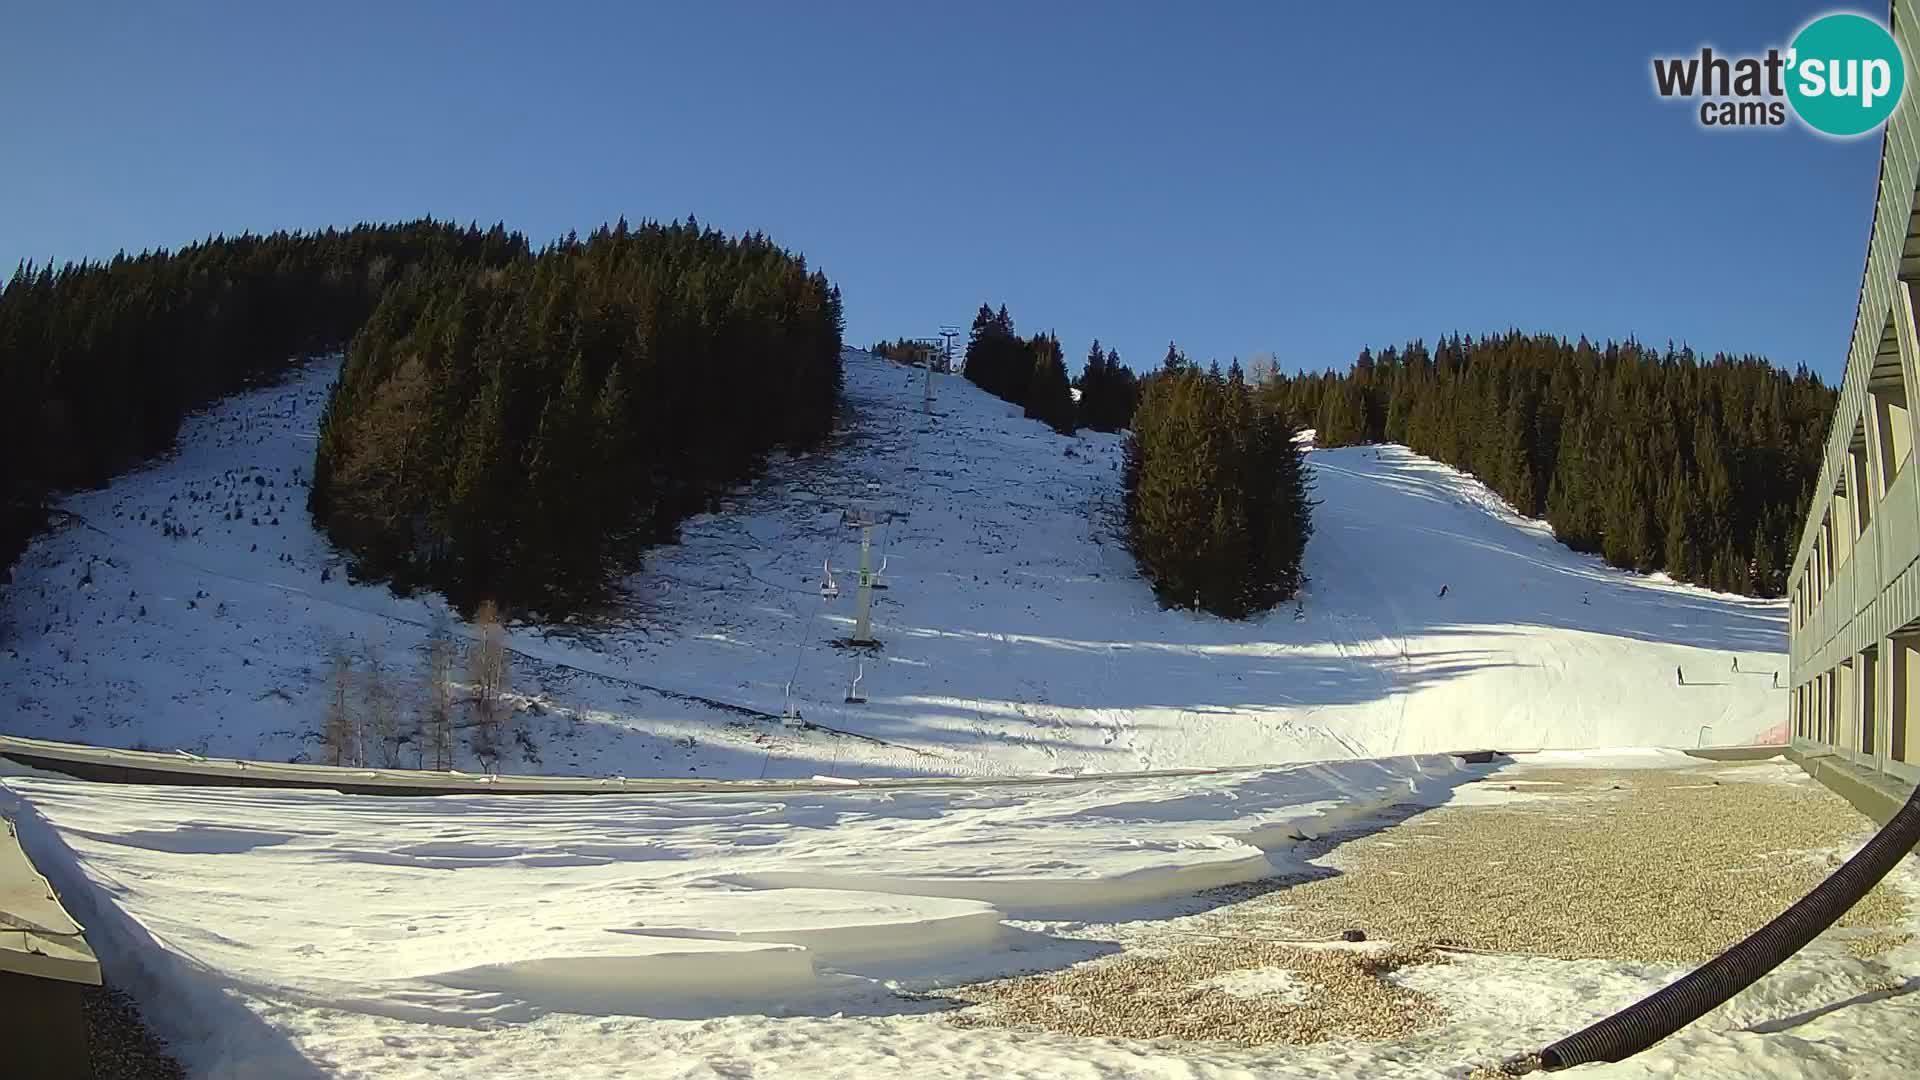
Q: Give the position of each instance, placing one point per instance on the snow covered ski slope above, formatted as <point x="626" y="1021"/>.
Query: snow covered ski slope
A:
<point x="190" y="605"/>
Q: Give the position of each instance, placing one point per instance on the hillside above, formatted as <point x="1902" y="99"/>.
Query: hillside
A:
<point x="1016" y="636"/>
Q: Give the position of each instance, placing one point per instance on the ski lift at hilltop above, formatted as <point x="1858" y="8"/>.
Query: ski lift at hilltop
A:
<point x="879" y="576"/>
<point x="828" y="588"/>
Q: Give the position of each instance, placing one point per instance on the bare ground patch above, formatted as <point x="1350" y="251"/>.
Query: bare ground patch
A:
<point x="1141" y="995"/>
<point x="1654" y="865"/>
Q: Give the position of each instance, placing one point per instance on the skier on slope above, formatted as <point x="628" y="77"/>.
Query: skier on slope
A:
<point x="1679" y="676"/>
<point x="1443" y="592"/>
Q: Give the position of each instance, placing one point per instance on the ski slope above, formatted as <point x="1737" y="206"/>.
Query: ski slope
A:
<point x="1016" y="636"/>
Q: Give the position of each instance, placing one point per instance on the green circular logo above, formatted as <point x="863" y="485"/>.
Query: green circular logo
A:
<point x="1845" y="74"/>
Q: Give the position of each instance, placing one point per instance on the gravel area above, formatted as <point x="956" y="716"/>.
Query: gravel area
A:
<point x="118" y="1042"/>
<point x="1657" y="865"/>
<point x="1160" y="995"/>
<point x="1651" y="865"/>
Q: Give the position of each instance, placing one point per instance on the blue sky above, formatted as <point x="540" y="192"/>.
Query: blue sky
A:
<point x="1304" y="179"/>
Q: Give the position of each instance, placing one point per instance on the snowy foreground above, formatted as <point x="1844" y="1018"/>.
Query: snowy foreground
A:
<point x="307" y="934"/>
<point x="1017" y="638"/>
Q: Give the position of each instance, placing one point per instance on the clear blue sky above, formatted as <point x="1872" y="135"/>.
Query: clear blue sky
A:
<point x="1298" y="178"/>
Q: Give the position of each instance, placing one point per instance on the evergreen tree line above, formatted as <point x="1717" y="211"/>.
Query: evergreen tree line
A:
<point x="1032" y="373"/>
<point x="1655" y="459"/>
<point x="100" y="360"/>
<point x="1217" y="495"/>
<point x="906" y="351"/>
<point x="1109" y="391"/>
<point x="516" y="432"/>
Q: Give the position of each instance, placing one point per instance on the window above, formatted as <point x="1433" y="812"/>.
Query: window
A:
<point x="1841" y="523"/>
<point x="1899" y="719"/>
<point x="1887" y="394"/>
<point x="1866" y="715"/>
<point x="1823" y="713"/>
<point x="1860" y="479"/>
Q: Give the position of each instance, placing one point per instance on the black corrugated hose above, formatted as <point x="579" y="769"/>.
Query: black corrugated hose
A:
<point x="1646" y="1022"/>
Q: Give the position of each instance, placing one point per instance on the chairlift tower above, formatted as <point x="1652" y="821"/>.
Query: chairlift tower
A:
<point x="948" y="333"/>
<point x="864" y="519"/>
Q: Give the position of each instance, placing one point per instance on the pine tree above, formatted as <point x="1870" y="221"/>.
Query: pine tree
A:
<point x="1095" y="384"/>
<point x="1108" y="392"/>
<point x="1049" y="396"/>
<point x="997" y="361"/>
<point x="1679" y="556"/>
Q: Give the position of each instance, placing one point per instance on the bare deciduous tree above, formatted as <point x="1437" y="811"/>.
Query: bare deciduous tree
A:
<point x="1262" y="369"/>
<point x="382" y="729"/>
<point x="437" y="722"/>
<point x="339" y="730"/>
<point x="487" y="667"/>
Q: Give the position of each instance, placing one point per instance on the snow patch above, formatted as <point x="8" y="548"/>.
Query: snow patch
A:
<point x="1279" y="984"/>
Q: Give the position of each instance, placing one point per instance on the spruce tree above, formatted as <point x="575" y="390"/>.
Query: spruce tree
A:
<point x="1049" y="396"/>
<point x="1216" y="498"/>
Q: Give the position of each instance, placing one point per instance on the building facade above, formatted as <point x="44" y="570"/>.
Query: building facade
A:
<point x="1854" y="630"/>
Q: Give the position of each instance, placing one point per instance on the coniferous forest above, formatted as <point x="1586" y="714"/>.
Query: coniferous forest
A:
<point x="506" y="422"/>
<point x="1217" y="494"/>
<point x="1655" y="459"/>
<point x="509" y="422"/>
<point x="100" y="360"/>
<point x="906" y="351"/>
<point x="1109" y="391"/>
<point x="515" y="432"/>
<point x="1032" y="373"/>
